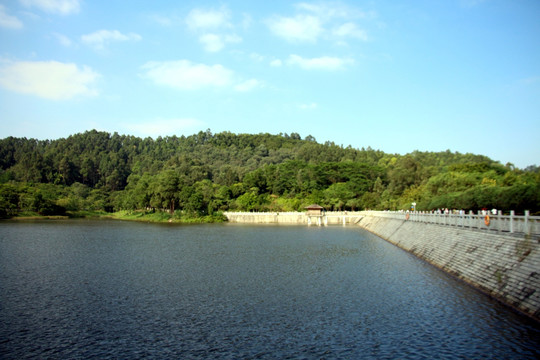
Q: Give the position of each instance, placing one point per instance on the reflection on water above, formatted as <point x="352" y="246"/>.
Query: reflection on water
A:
<point x="82" y="289"/>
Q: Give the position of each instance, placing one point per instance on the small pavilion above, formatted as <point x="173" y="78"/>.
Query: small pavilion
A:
<point x="314" y="210"/>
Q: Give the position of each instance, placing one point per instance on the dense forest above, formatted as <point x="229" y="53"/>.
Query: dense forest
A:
<point x="206" y="173"/>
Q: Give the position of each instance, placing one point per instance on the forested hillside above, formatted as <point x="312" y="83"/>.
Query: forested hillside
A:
<point x="205" y="173"/>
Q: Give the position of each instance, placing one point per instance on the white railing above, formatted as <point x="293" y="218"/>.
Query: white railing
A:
<point x="492" y="221"/>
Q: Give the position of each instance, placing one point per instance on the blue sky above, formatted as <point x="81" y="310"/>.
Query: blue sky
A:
<point x="398" y="76"/>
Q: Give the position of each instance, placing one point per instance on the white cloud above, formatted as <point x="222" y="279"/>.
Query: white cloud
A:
<point x="163" y="127"/>
<point x="215" y="42"/>
<point x="276" y="63"/>
<point x="48" y="79"/>
<point x="301" y="28"/>
<point x="212" y="42"/>
<point x="320" y="63"/>
<point x="328" y="21"/>
<point x="328" y="11"/>
<point x="8" y="21"/>
<point x="99" y="39"/>
<point x="233" y="38"/>
<point x="184" y="75"/>
<point x="63" y="40"/>
<point x="208" y="23"/>
<point x="247" y="85"/>
<point x="308" y="106"/>
<point x="256" y="57"/>
<point x="199" y="19"/>
<point x="350" y="30"/>
<point x="62" y="7"/>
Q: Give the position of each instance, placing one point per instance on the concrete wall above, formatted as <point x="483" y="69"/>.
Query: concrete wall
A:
<point x="331" y="218"/>
<point x="266" y="218"/>
<point x="503" y="266"/>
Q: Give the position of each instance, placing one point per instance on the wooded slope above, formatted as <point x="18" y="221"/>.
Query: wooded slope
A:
<point x="206" y="172"/>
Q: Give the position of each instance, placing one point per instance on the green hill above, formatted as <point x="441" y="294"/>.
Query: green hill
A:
<point x="205" y="173"/>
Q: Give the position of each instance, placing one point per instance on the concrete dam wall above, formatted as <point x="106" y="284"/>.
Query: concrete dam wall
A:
<point x="328" y="218"/>
<point x="507" y="267"/>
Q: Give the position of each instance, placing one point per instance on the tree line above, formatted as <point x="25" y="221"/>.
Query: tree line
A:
<point x="206" y="173"/>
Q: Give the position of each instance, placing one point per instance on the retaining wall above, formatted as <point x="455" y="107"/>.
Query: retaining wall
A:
<point x="505" y="267"/>
<point x="331" y="218"/>
<point x="266" y="218"/>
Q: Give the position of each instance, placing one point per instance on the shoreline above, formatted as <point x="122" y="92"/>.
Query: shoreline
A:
<point x="139" y="216"/>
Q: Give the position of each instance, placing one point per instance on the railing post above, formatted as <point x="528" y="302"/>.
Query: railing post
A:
<point x="499" y="221"/>
<point x="512" y="214"/>
<point x="526" y="229"/>
<point x="480" y="222"/>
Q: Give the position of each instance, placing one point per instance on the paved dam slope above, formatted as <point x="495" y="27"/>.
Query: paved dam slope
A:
<point x="503" y="266"/>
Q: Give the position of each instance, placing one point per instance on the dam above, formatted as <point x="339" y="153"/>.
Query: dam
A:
<point x="498" y="255"/>
<point x="291" y="218"/>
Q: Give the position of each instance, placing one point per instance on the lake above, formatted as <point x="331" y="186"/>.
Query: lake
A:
<point x="82" y="289"/>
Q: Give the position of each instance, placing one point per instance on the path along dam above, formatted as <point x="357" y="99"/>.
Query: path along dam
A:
<point x="499" y="256"/>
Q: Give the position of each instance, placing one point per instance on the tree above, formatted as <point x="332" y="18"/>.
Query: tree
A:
<point x="67" y="170"/>
<point x="337" y="195"/>
<point x="89" y="171"/>
<point x="405" y="173"/>
<point x="9" y="199"/>
<point x="248" y="201"/>
<point x="168" y="185"/>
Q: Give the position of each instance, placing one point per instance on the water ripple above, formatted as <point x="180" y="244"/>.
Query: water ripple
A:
<point x="120" y="290"/>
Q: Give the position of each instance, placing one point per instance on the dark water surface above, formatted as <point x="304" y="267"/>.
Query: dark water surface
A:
<point x="111" y="289"/>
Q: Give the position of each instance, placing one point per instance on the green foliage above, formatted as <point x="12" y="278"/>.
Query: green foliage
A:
<point x="201" y="175"/>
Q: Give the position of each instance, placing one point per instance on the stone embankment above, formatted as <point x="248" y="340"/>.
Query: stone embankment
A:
<point x="505" y="266"/>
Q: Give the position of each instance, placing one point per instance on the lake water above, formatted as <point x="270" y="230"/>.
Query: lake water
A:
<point x="111" y="289"/>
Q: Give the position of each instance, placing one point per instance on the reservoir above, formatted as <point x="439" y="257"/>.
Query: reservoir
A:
<point x="82" y="289"/>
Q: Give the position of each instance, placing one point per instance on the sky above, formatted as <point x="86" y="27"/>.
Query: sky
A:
<point x="395" y="75"/>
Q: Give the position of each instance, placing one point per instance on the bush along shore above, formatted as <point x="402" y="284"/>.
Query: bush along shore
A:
<point x="153" y="216"/>
<point x="166" y="217"/>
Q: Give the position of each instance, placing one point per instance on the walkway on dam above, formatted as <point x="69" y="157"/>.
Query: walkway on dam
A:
<point x="517" y="225"/>
<point x="511" y="224"/>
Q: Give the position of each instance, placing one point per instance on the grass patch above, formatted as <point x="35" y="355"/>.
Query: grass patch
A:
<point x="32" y="215"/>
<point x="179" y="217"/>
<point x="86" y="214"/>
<point x="165" y="217"/>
